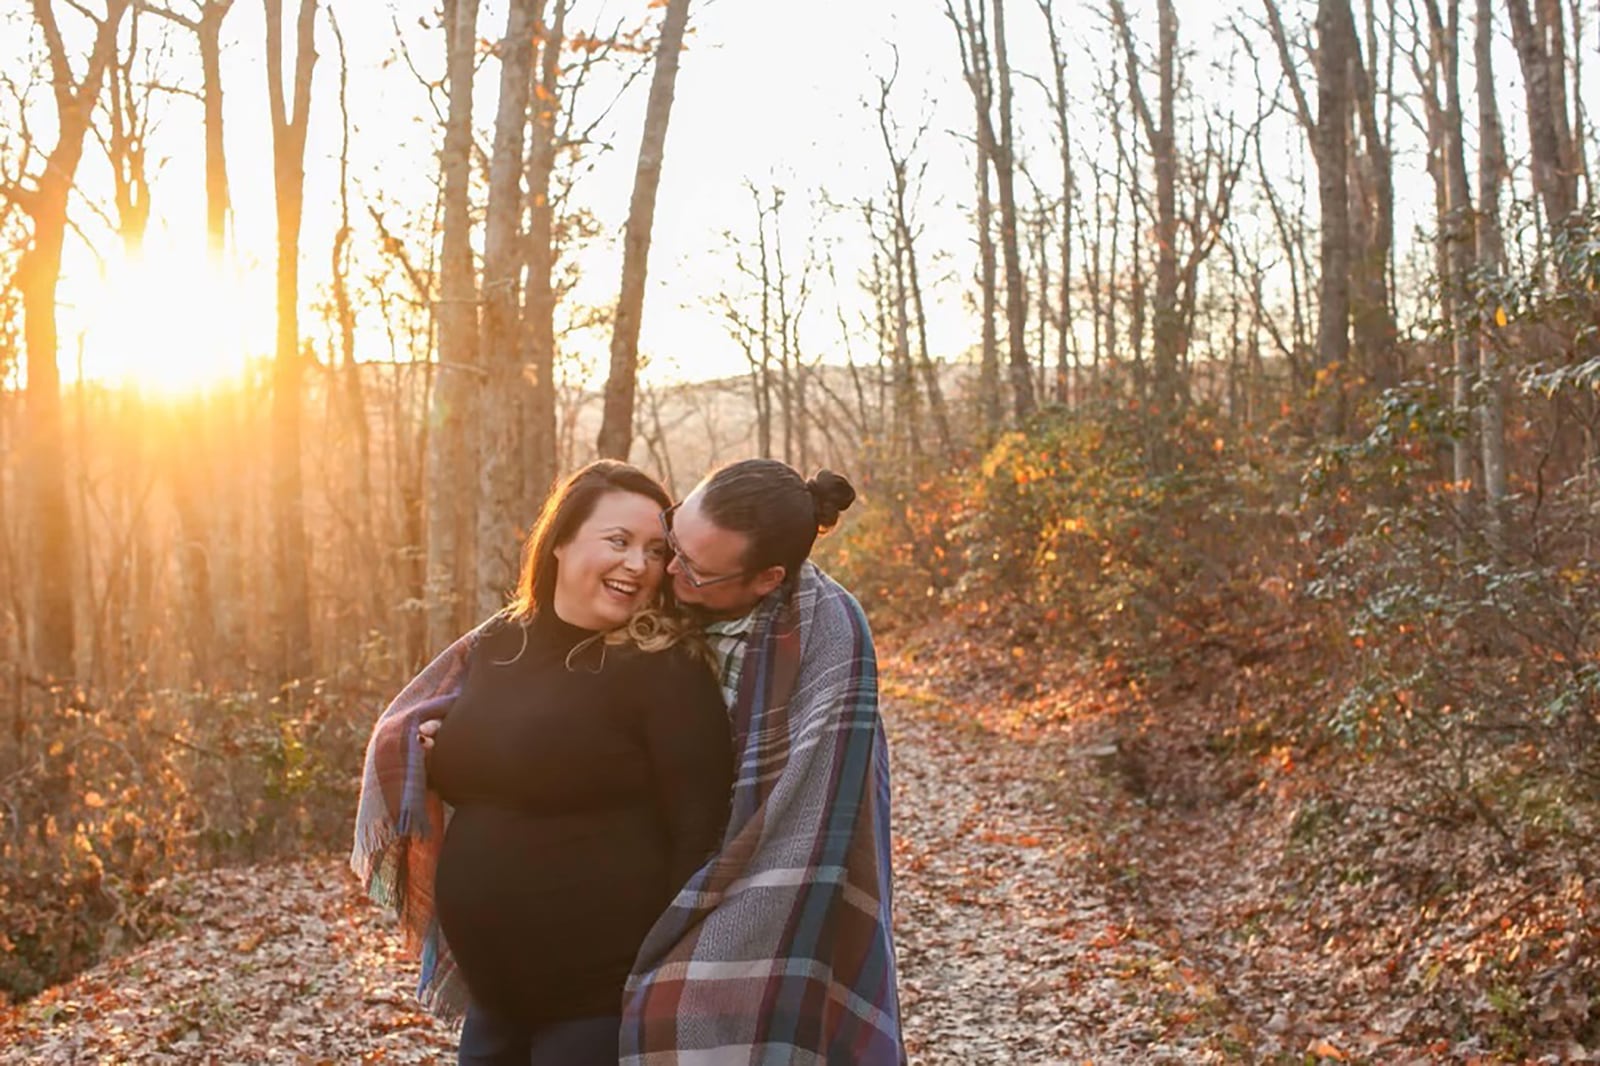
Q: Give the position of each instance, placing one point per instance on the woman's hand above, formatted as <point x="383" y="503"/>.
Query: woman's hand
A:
<point x="425" y="733"/>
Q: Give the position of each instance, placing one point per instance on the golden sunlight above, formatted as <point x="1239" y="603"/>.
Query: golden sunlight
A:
<point x="166" y="322"/>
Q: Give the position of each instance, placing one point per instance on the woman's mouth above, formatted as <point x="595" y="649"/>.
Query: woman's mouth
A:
<point x="626" y="589"/>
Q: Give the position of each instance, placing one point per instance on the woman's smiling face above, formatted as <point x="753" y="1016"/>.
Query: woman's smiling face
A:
<point x="612" y="565"/>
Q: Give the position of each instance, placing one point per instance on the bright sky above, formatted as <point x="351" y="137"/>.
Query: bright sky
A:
<point x="769" y="93"/>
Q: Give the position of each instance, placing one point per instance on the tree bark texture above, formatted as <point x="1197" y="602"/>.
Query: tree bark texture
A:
<point x="1457" y="231"/>
<point x="451" y="495"/>
<point x="900" y="201"/>
<point x="1491" y="256"/>
<point x="1160" y="130"/>
<point x="1540" y="39"/>
<point x="290" y="553"/>
<point x="973" y="42"/>
<point x="503" y="512"/>
<point x="210" y="39"/>
<point x="1062" y="386"/>
<point x="1005" y="161"/>
<point x="1334" y="34"/>
<point x="616" y="427"/>
<point x="38" y="275"/>
<point x="539" y="329"/>
<point x="206" y="25"/>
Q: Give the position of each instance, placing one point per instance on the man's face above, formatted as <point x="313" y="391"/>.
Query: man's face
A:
<point x="708" y="565"/>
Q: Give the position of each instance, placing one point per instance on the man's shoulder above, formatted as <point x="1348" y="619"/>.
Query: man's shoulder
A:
<point x="830" y="595"/>
<point x="839" y="625"/>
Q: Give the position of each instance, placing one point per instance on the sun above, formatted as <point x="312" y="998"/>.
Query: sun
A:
<point x="167" y="321"/>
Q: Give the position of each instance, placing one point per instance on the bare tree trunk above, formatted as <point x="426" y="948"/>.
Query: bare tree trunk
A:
<point x="13" y="599"/>
<point x="764" y="434"/>
<point x="1169" y="343"/>
<point x="501" y="509"/>
<point x="655" y="434"/>
<point x="1456" y="230"/>
<point x="753" y="330"/>
<point x="209" y="31"/>
<point x="616" y="427"/>
<point x="123" y="616"/>
<point x="539" y="328"/>
<point x="900" y="203"/>
<point x="972" y="37"/>
<point x="1039" y="255"/>
<point x="1332" y="131"/>
<point x="1580" y="116"/>
<point x="1137" y="303"/>
<point x="1372" y="322"/>
<point x="1369" y="193"/>
<point x="905" y="384"/>
<point x="1096" y="281"/>
<point x="189" y="488"/>
<point x="124" y="142"/>
<point x="989" y="352"/>
<point x="802" y="411"/>
<point x="1005" y="160"/>
<point x="1060" y="391"/>
<point x="91" y="658"/>
<point x="785" y="351"/>
<point x="452" y="480"/>
<point x="38" y="274"/>
<point x="1491" y="256"/>
<point x="290" y="555"/>
<point x="930" y="373"/>
<point x="1113" y="339"/>
<point x="896" y="384"/>
<point x="352" y="396"/>
<point x="1541" y="50"/>
<point x="411" y="487"/>
<point x="1160" y="128"/>
<point x="206" y="25"/>
<point x="761" y="396"/>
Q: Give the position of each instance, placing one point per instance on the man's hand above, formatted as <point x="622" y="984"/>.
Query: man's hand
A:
<point x="425" y="733"/>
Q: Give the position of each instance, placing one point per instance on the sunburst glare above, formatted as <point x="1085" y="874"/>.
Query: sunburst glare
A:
<point x="167" y="320"/>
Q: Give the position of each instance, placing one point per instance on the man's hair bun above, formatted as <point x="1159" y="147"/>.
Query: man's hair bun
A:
<point x="830" y="493"/>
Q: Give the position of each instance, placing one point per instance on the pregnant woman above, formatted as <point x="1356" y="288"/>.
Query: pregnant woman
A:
<point x="586" y="760"/>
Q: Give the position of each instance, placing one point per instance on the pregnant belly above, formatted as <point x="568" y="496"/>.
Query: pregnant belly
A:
<point x="544" y="914"/>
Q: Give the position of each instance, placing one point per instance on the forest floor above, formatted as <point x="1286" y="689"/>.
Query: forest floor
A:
<point x="1042" y="916"/>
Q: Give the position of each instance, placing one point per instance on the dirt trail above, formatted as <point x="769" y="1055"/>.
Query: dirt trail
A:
<point x="1011" y="950"/>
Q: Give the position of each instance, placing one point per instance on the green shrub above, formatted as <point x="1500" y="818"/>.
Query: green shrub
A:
<point x="1132" y="562"/>
<point x="1471" y="647"/>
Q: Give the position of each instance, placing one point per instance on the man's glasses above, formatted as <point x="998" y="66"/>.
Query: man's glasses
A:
<point x="688" y="568"/>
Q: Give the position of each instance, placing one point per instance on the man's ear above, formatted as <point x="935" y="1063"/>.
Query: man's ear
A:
<point x="769" y="579"/>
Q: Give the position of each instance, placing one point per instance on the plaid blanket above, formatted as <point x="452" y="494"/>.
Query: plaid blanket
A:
<point x="779" y="950"/>
<point x="400" y="822"/>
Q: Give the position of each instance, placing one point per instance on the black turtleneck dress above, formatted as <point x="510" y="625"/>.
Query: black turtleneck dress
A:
<point x="585" y="795"/>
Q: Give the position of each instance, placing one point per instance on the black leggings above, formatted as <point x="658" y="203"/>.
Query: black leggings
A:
<point x="490" y="1041"/>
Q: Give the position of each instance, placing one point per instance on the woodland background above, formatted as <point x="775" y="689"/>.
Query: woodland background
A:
<point x="1237" y="426"/>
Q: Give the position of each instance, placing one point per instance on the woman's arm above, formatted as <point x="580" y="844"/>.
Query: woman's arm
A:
<point x="691" y="754"/>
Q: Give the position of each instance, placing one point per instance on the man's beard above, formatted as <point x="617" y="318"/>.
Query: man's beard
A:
<point x="703" y="616"/>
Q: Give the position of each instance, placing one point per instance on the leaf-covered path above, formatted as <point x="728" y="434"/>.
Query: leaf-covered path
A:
<point x="1011" y="950"/>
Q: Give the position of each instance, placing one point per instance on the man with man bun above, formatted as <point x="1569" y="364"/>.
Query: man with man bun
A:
<point x="780" y="949"/>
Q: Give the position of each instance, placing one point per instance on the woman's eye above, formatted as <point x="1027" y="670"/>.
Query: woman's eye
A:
<point x="658" y="552"/>
<point x="617" y="541"/>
